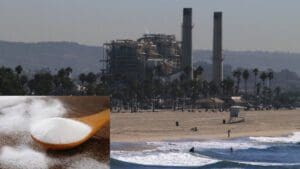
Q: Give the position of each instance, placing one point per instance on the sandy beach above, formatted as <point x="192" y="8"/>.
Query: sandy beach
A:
<point x="160" y="125"/>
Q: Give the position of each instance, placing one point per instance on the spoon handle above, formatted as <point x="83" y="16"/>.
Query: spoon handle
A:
<point x="97" y="121"/>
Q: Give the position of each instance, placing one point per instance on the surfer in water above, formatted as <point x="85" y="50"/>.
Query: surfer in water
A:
<point x="192" y="150"/>
<point x="231" y="149"/>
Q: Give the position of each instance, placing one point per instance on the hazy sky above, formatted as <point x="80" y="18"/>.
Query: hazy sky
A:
<point x="248" y="24"/>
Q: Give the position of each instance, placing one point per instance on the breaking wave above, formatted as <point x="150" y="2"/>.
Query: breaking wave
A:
<point x="162" y="158"/>
<point x="270" y="152"/>
<point x="293" y="138"/>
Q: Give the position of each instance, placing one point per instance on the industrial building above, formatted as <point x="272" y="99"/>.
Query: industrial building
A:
<point x="125" y="57"/>
<point x="160" y="54"/>
<point x="157" y="53"/>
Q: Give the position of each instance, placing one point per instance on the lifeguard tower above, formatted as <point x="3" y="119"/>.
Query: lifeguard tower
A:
<point x="234" y="116"/>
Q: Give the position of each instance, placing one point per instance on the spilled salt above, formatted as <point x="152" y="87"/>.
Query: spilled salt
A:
<point x="22" y="158"/>
<point x="59" y="130"/>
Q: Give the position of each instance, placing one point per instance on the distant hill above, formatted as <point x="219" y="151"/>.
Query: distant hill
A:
<point x="285" y="65"/>
<point x="50" y="55"/>
<point x="251" y="59"/>
<point x="285" y="78"/>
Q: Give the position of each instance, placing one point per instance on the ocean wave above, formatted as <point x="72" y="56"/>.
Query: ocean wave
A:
<point x="266" y="163"/>
<point x="176" y="153"/>
<point x="238" y="144"/>
<point x="162" y="158"/>
<point x="293" y="138"/>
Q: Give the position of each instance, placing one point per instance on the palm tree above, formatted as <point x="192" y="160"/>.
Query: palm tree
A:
<point x="68" y="71"/>
<point x="277" y="91"/>
<point x="205" y="88"/>
<point x="187" y="70"/>
<point x="41" y="84"/>
<point x="18" y="70"/>
<point x="255" y="72"/>
<point x="258" y="85"/>
<point x="270" y="77"/>
<point x="10" y="82"/>
<point x="82" y="78"/>
<point x="237" y="74"/>
<point x="198" y="72"/>
<point x="263" y="76"/>
<point x="246" y="77"/>
<point x="228" y="85"/>
<point x="91" y="78"/>
<point x="213" y="88"/>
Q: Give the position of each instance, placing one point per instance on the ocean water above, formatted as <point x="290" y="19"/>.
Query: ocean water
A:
<point x="248" y="153"/>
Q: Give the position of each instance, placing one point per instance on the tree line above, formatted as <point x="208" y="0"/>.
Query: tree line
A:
<point x="153" y="86"/>
<point x="16" y="82"/>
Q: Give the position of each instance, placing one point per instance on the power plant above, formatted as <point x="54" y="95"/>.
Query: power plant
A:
<point x="162" y="54"/>
<point x="217" y="49"/>
<point x="153" y="53"/>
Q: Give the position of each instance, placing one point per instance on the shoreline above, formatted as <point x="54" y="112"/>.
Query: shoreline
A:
<point x="160" y="126"/>
<point x="204" y="137"/>
<point x="142" y="145"/>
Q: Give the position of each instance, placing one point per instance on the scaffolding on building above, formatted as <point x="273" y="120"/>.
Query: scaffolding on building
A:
<point x="133" y="58"/>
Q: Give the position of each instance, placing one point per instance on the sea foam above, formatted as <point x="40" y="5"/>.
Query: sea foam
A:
<point x="162" y="158"/>
<point x="293" y="138"/>
<point x="213" y="144"/>
<point x="176" y="153"/>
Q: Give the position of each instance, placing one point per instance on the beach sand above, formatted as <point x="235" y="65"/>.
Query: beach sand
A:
<point x="160" y="125"/>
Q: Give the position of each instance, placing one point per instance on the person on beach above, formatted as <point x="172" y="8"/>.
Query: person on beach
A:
<point x="228" y="133"/>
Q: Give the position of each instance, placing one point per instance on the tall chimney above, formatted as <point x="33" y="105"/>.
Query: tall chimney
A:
<point x="186" y="60"/>
<point x="217" y="49"/>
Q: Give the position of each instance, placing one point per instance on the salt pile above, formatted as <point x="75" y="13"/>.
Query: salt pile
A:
<point x="16" y="111"/>
<point x="60" y="130"/>
<point x="22" y="158"/>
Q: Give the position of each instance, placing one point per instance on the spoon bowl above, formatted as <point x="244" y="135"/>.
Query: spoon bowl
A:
<point x="96" y="121"/>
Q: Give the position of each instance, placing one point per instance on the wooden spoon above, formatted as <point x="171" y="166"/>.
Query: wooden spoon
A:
<point x="95" y="121"/>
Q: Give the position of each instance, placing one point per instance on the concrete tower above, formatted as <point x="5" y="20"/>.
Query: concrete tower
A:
<point x="186" y="60"/>
<point x="217" y="49"/>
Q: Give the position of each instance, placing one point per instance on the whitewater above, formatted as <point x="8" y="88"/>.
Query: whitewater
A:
<point x="248" y="152"/>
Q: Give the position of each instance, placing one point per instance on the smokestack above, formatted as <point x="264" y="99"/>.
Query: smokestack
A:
<point x="217" y="49"/>
<point x="186" y="60"/>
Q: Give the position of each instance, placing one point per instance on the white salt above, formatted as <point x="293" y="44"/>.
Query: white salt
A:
<point x="16" y="111"/>
<point x="60" y="130"/>
<point x="22" y="158"/>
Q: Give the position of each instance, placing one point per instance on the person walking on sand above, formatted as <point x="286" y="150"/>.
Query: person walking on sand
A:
<point x="228" y="133"/>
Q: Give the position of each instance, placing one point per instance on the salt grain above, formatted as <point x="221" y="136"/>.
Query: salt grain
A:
<point x="60" y="130"/>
